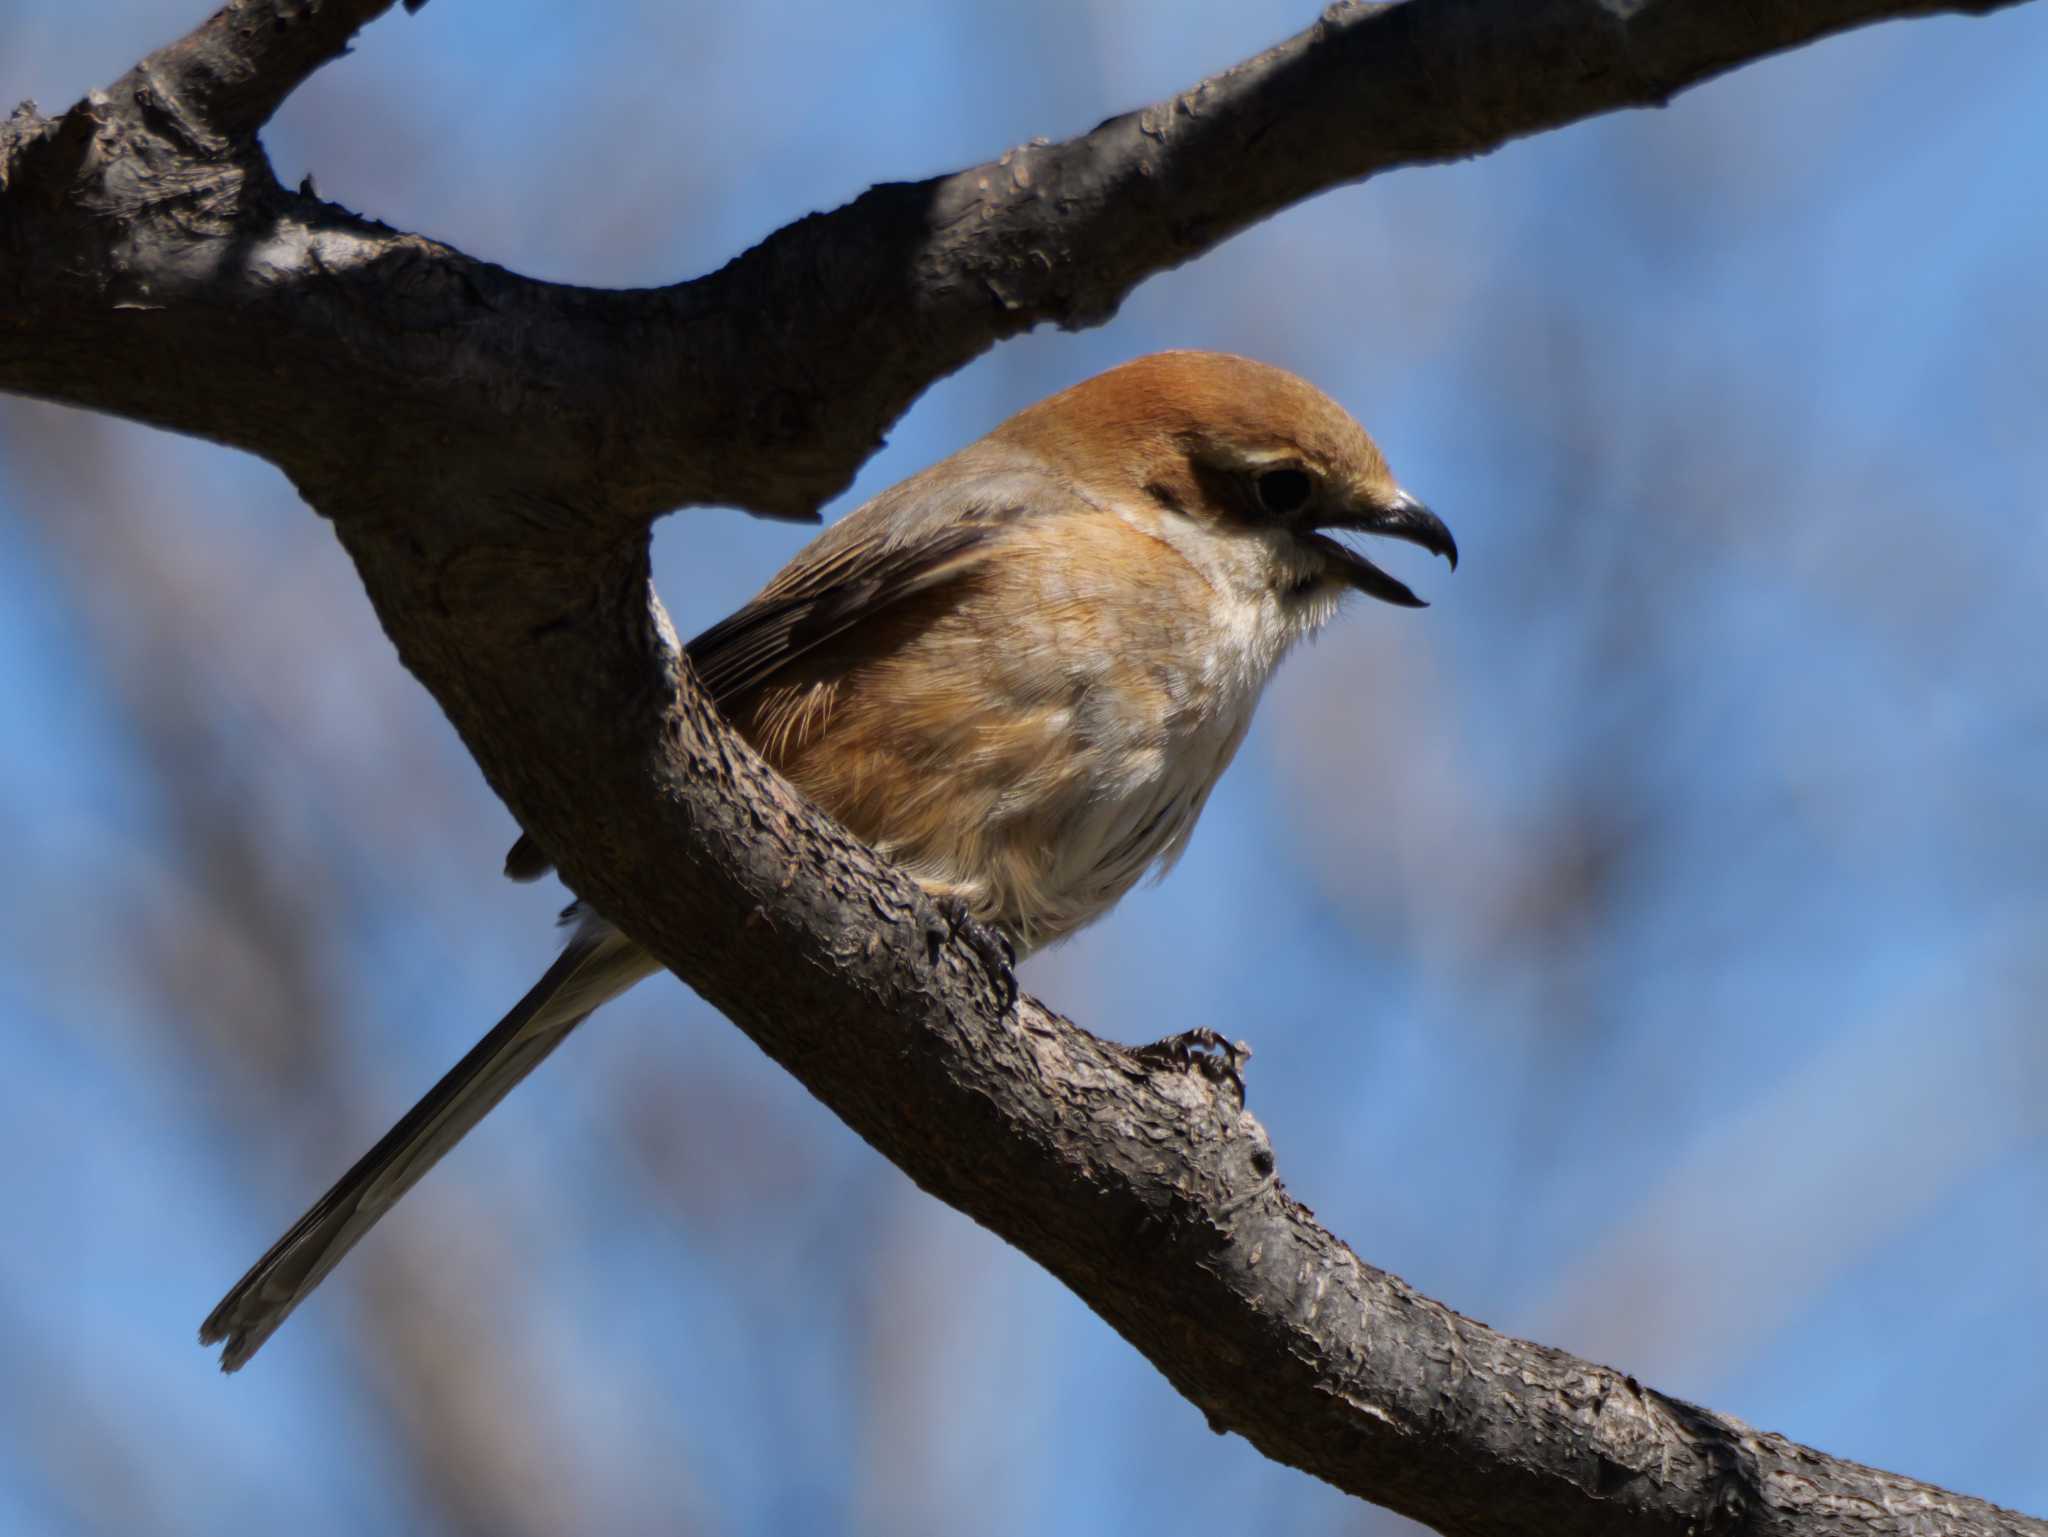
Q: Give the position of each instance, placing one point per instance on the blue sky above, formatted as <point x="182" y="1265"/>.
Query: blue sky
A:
<point x="1641" y="948"/>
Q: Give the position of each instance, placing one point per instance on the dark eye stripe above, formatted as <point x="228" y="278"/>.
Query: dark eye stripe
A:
<point x="1162" y="493"/>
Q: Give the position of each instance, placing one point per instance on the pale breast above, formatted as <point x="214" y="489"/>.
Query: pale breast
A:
<point x="1123" y="682"/>
<point x="1040" y="739"/>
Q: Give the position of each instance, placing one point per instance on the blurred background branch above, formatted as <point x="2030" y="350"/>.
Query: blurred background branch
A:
<point x="1695" y="895"/>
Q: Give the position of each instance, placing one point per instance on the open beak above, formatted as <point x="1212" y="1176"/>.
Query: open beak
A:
<point x="1402" y="518"/>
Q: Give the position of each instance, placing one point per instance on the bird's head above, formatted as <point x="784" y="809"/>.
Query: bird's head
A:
<point x="1248" y="470"/>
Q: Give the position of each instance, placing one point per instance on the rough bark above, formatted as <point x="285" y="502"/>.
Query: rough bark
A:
<point x="492" y="451"/>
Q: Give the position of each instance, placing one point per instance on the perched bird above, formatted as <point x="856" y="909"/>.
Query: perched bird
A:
<point x="1019" y="674"/>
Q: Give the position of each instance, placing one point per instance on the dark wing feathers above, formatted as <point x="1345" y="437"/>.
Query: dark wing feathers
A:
<point x="745" y="650"/>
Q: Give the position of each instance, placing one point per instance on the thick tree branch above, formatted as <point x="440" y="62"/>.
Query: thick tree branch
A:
<point x="764" y="385"/>
<point x="229" y="74"/>
<point x="492" y="451"/>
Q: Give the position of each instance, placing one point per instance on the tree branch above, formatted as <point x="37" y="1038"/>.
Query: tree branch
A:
<point x="767" y="384"/>
<point x="229" y="74"/>
<point x="492" y="451"/>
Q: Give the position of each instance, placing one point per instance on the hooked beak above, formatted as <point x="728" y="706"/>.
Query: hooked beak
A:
<point x="1402" y="518"/>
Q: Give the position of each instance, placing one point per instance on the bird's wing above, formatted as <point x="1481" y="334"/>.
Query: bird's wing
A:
<point x="808" y="607"/>
<point x="914" y="538"/>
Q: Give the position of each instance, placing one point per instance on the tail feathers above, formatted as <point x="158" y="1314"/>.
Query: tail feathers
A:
<point x="599" y="964"/>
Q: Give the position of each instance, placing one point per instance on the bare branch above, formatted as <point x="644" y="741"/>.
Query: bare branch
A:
<point x="766" y="384"/>
<point x="229" y="74"/>
<point x="492" y="451"/>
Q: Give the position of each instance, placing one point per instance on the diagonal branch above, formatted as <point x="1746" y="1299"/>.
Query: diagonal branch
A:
<point x="492" y="451"/>
<point x="230" y="73"/>
<point x="766" y="384"/>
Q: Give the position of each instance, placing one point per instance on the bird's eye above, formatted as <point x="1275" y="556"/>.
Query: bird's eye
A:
<point x="1284" y="492"/>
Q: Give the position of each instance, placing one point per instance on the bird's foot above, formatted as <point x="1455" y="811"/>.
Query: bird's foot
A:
<point x="1201" y="1050"/>
<point x="990" y="945"/>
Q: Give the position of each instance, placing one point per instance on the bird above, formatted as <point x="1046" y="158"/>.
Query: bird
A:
<point x="1018" y="674"/>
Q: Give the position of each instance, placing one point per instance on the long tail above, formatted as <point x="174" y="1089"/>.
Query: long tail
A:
<point x="599" y="963"/>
